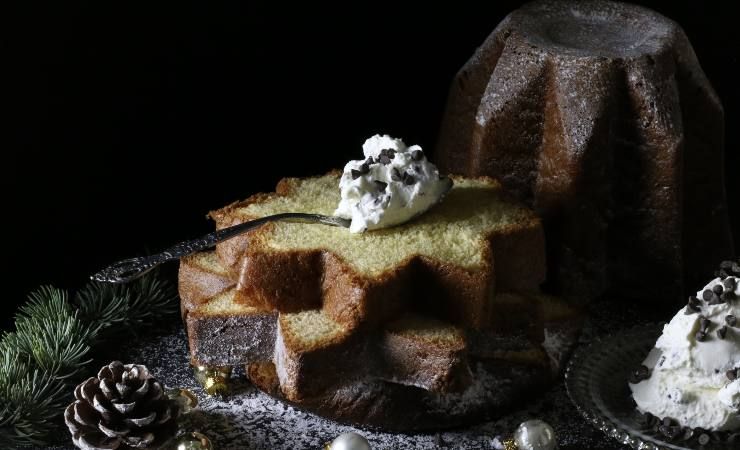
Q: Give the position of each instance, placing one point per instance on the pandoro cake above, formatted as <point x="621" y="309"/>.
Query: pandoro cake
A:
<point x="432" y="323"/>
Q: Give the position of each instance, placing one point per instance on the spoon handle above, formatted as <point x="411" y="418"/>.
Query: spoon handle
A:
<point x="133" y="268"/>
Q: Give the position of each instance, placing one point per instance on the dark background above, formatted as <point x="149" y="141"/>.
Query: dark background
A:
<point x="129" y="122"/>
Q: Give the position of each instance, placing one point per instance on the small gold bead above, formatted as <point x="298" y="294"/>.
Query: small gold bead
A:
<point x="214" y="379"/>
<point x="509" y="444"/>
<point x="215" y="385"/>
<point x="194" y="441"/>
<point x="185" y="399"/>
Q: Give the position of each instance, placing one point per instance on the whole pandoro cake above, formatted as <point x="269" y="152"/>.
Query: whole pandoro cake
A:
<point x="598" y="116"/>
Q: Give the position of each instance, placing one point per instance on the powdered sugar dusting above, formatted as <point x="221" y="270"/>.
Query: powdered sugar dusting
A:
<point x="250" y="419"/>
<point x="476" y="395"/>
<point x="556" y="344"/>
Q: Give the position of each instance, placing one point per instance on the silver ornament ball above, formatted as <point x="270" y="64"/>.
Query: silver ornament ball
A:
<point x="535" y="435"/>
<point x="350" y="441"/>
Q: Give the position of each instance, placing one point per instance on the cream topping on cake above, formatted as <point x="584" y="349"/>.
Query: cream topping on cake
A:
<point x="692" y="373"/>
<point x="393" y="184"/>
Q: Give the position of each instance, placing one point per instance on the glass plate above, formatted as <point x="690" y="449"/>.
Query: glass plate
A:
<point x="597" y="382"/>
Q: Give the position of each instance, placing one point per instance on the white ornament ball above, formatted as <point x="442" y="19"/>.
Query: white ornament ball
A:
<point x="350" y="441"/>
<point x="535" y="435"/>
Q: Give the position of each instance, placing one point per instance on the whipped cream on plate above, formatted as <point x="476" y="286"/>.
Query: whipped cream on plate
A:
<point x="393" y="184"/>
<point x="692" y="373"/>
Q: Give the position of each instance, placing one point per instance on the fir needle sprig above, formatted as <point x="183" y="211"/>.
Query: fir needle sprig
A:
<point x="53" y="343"/>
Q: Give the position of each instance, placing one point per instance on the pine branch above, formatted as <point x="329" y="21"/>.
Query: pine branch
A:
<point x="30" y="400"/>
<point x="120" y="308"/>
<point x="48" y="331"/>
<point x="52" y="346"/>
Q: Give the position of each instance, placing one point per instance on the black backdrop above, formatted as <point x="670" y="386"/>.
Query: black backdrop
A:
<point x="129" y="122"/>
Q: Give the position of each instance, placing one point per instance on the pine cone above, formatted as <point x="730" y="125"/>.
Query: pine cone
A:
<point x="123" y="408"/>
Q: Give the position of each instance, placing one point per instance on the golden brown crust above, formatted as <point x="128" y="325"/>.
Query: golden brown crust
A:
<point x="293" y="279"/>
<point x="352" y="299"/>
<point x="196" y="284"/>
<point x="309" y="369"/>
<point x="409" y="354"/>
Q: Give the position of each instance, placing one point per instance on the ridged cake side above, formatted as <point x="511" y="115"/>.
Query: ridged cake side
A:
<point x="598" y="116"/>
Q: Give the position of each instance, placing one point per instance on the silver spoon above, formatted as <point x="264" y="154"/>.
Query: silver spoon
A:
<point x="133" y="268"/>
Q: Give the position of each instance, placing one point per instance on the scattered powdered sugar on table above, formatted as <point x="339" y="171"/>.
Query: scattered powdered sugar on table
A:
<point x="250" y="419"/>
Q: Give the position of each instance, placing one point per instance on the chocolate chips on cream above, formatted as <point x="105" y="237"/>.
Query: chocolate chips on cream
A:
<point x="393" y="184"/>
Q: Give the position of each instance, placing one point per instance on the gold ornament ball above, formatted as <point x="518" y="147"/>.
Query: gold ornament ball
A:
<point x="349" y="441"/>
<point x="213" y="379"/>
<point x="194" y="441"/>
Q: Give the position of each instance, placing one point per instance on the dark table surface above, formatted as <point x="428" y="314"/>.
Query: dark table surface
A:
<point x="249" y="419"/>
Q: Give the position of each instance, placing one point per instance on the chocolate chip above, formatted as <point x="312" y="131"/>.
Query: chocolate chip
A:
<point x="671" y="432"/>
<point x="667" y="422"/>
<point x="384" y="160"/>
<point x="369" y="161"/>
<point x="704" y="323"/>
<point x="722" y="332"/>
<point x="703" y="439"/>
<point x="380" y="185"/>
<point x="701" y="336"/>
<point x="727" y="296"/>
<point x="389" y="153"/>
<point x="730" y="320"/>
<point x="729" y="284"/>
<point x="711" y="298"/>
<point x="640" y="374"/>
<point x="694" y="306"/>
<point x="408" y="180"/>
<point x="396" y="175"/>
<point x="731" y="374"/>
<point x="688" y="433"/>
<point x="646" y="419"/>
<point x="364" y="169"/>
<point x="417" y="155"/>
<point x="718" y="289"/>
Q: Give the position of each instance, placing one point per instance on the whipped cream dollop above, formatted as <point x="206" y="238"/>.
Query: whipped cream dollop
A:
<point x="393" y="184"/>
<point x="693" y="369"/>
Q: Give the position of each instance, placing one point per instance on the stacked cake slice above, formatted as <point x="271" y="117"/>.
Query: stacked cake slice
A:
<point x="425" y="310"/>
